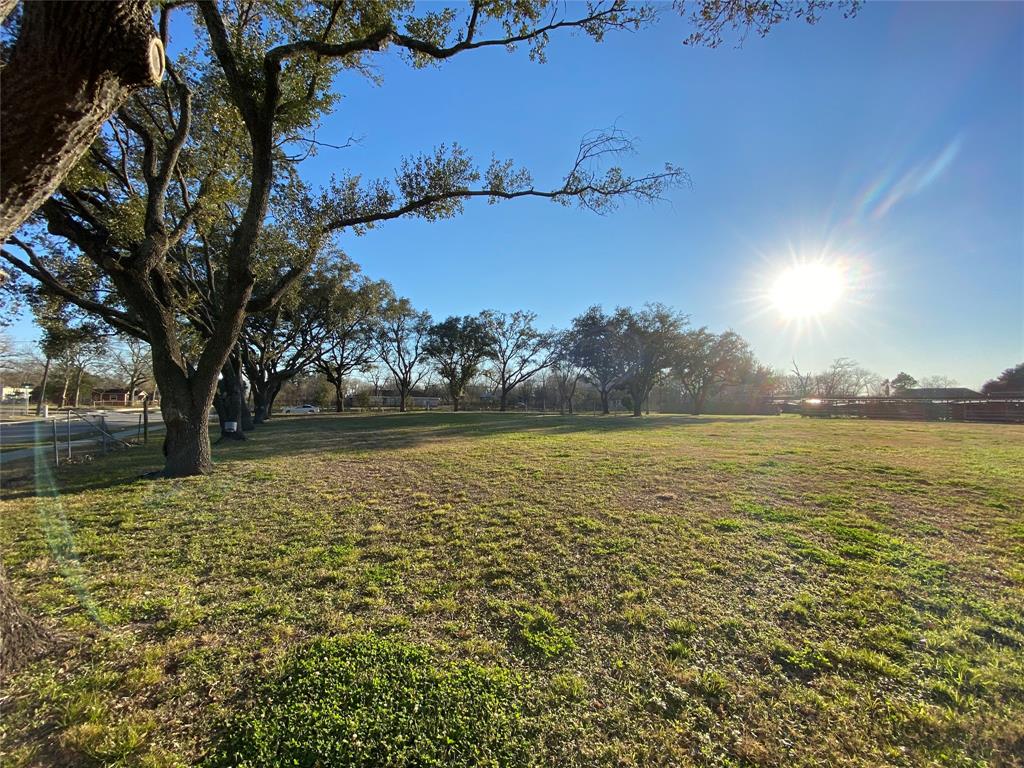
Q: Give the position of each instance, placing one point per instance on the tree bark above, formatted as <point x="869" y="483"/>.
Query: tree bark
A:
<point x="637" y="396"/>
<point x="22" y="638"/>
<point x="229" y="403"/>
<point x="187" y="439"/>
<point x="260" y="403"/>
<point x="272" y="398"/>
<point x="78" y="384"/>
<point x="42" y="388"/>
<point x="263" y="399"/>
<point x="698" y="404"/>
<point x="73" y="64"/>
<point x="64" y="391"/>
<point x="503" y="403"/>
<point x="604" y="403"/>
<point x="246" y="423"/>
<point x="339" y="400"/>
<point x="455" y="404"/>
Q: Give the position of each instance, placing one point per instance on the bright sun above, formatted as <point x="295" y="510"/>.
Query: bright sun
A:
<point x="807" y="289"/>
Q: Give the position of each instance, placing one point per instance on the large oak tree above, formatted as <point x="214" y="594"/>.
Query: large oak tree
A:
<point x="457" y="347"/>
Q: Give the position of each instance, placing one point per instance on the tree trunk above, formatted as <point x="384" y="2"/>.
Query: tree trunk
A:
<point x="637" y="396"/>
<point x="604" y="402"/>
<point x="272" y="398"/>
<point x="263" y="399"/>
<point x="246" y="423"/>
<point x="230" y="402"/>
<point x="78" y="384"/>
<point x="455" y="404"/>
<point x="187" y="438"/>
<point x="187" y="445"/>
<point x="698" y="403"/>
<point x="42" y="388"/>
<point x="503" y="403"/>
<point x="133" y="386"/>
<point x="22" y="638"/>
<point x="73" y="64"/>
<point x="64" y="391"/>
<point x="339" y="402"/>
<point x="260" y="403"/>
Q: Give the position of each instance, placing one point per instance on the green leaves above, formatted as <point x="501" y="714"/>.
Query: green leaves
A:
<point x="439" y="175"/>
<point x="370" y="701"/>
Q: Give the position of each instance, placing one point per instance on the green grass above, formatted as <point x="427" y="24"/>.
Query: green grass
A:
<point x="609" y="592"/>
<point x="12" y="446"/>
<point x="373" y="701"/>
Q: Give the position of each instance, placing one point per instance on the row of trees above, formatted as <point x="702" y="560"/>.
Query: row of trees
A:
<point x="72" y="364"/>
<point x="359" y="324"/>
<point x="847" y="378"/>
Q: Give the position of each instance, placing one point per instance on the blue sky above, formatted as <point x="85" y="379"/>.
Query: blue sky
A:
<point x="893" y="143"/>
<point x="784" y="138"/>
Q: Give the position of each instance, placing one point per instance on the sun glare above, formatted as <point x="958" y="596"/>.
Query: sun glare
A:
<point x="807" y="290"/>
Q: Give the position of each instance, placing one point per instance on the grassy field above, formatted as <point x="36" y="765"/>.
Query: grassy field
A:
<point x="609" y="592"/>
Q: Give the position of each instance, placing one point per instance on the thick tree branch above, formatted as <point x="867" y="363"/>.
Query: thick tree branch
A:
<point x="35" y="269"/>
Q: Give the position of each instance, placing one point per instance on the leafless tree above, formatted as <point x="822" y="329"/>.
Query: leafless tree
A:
<point x="133" y="363"/>
<point x="401" y="339"/>
<point x="939" y="382"/>
<point x="518" y="350"/>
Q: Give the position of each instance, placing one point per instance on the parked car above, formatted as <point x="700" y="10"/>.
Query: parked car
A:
<point x="297" y="409"/>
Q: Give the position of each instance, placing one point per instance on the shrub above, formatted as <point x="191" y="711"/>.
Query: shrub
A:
<point x="369" y="701"/>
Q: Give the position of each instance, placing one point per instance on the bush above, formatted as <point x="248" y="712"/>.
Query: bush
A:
<point x="369" y="701"/>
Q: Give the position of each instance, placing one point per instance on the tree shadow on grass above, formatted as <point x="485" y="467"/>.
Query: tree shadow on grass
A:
<point x="366" y="434"/>
<point x="334" y="434"/>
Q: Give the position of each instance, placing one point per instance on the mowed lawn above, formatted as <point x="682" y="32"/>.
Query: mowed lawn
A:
<point x="666" y="591"/>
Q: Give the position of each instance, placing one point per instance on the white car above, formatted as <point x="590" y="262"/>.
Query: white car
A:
<point x="296" y="409"/>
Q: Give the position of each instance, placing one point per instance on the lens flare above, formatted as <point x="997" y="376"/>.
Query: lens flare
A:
<point x="807" y="290"/>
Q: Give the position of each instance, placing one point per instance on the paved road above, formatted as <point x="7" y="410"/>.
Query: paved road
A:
<point x="41" y="430"/>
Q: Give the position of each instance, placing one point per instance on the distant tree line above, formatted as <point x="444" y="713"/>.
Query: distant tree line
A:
<point x="336" y="326"/>
<point x="845" y="377"/>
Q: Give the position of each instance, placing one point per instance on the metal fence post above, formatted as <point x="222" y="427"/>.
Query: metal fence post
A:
<point x="69" y="435"/>
<point x="145" y="420"/>
<point x="56" y="453"/>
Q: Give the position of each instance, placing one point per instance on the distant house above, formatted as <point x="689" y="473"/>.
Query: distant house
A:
<point x="16" y="394"/>
<point x="116" y="396"/>
<point x="938" y="393"/>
